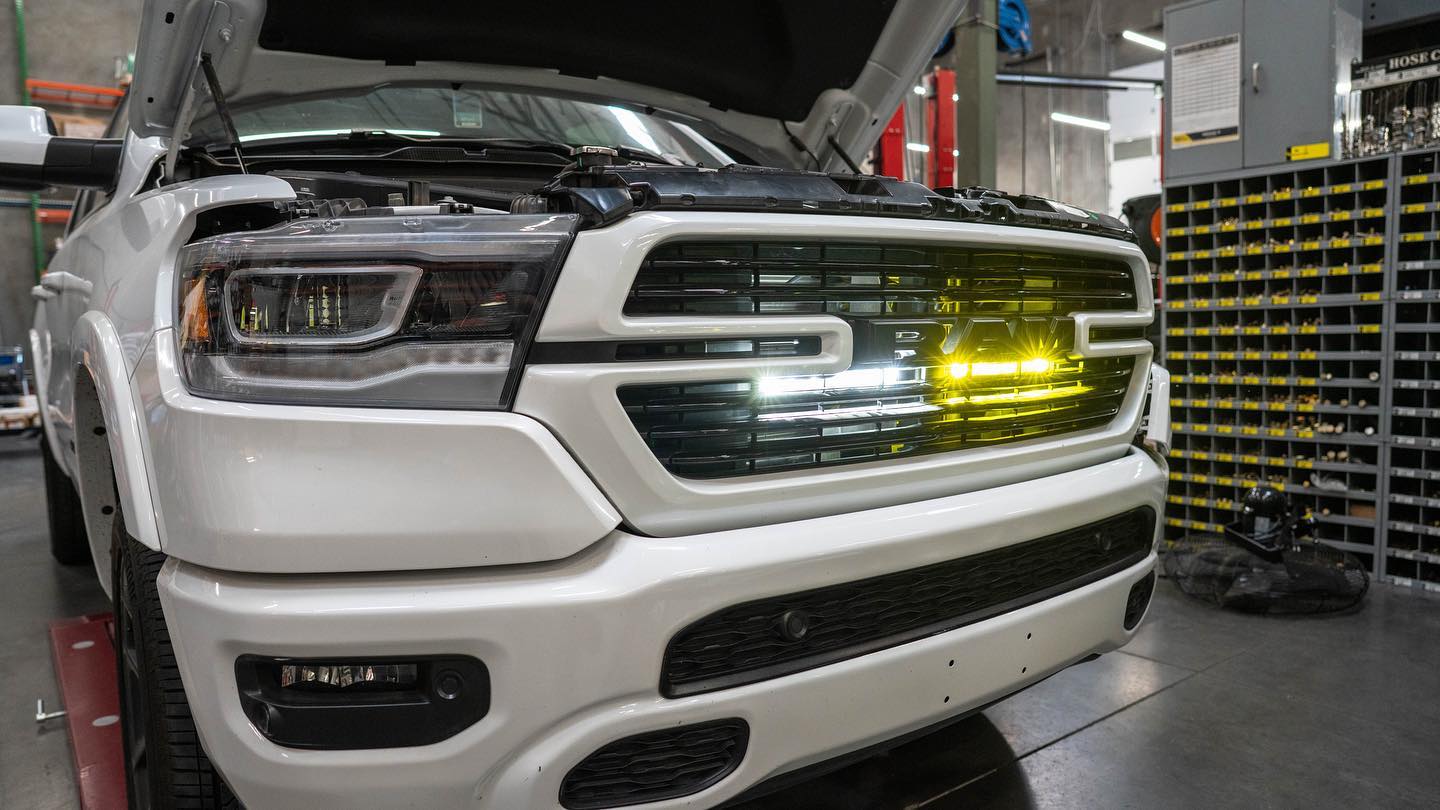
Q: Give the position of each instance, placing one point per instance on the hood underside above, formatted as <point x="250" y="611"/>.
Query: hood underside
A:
<point x="739" y="71"/>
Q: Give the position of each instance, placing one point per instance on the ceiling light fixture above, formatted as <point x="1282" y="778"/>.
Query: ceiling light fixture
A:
<point x="1091" y="123"/>
<point x="1141" y="39"/>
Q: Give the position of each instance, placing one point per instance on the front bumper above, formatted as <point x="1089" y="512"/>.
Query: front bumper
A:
<point x="574" y="646"/>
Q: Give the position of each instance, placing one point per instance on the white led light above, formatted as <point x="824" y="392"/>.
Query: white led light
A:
<point x="919" y="90"/>
<point x="1066" y="118"/>
<point x="954" y="96"/>
<point x="1141" y="39"/>
<point x="918" y="147"/>
<point x="888" y="377"/>
<point x="955" y="152"/>
<point x="1035" y="365"/>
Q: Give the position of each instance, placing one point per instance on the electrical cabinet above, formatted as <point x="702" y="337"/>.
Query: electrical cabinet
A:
<point x="1272" y="69"/>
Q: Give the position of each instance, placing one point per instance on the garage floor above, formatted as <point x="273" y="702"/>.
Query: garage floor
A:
<point x="1204" y="708"/>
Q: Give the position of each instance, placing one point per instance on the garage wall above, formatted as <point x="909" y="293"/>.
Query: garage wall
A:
<point x="69" y="41"/>
<point x="1037" y="156"/>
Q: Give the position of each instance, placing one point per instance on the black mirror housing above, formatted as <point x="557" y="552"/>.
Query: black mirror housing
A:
<point x="31" y="158"/>
<point x="82" y="162"/>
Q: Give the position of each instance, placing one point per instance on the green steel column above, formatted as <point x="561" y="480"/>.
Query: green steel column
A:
<point x="973" y="59"/>
<point x="36" y="236"/>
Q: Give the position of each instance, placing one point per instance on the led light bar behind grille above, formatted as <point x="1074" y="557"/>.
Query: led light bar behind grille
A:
<point x="744" y="427"/>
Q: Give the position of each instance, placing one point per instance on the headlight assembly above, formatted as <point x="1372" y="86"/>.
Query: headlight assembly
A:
<point x="399" y="312"/>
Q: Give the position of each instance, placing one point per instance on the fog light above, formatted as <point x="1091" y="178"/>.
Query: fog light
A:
<point x="359" y="703"/>
<point x="342" y="676"/>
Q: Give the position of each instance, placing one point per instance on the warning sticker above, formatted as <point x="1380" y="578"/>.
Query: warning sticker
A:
<point x="1205" y="92"/>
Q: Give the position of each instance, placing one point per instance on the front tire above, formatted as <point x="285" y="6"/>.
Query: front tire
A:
<point x="165" y="767"/>
<point x="69" y="544"/>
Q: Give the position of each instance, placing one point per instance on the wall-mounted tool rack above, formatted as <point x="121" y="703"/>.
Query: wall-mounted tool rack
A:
<point x="1277" y="295"/>
<point x="1412" y="521"/>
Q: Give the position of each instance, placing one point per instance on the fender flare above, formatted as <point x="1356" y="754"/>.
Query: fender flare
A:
<point x="101" y="358"/>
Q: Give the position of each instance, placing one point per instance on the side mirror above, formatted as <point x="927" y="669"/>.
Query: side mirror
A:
<point x="32" y="159"/>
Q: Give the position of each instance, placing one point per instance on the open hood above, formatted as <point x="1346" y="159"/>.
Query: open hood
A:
<point x="743" y="72"/>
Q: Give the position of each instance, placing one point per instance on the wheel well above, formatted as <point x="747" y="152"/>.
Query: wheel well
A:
<point x="94" y="473"/>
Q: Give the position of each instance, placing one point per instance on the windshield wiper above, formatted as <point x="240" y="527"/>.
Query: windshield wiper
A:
<point x="418" y="135"/>
<point x="564" y="149"/>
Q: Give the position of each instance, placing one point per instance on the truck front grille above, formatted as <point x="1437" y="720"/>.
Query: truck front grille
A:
<point x="913" y="310"/>
<point x="780" y="635"/>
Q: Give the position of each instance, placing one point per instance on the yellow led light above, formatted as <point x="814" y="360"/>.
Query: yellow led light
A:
<point x="1035" y="394"/>
<point x="1035" y="365"/>
<point x="994" y="369"/>
<point x="959" y="371"/>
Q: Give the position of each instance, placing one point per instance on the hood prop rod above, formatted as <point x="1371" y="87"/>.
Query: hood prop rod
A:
<point x="840" y="150"/>
<point x="213" y="82"/>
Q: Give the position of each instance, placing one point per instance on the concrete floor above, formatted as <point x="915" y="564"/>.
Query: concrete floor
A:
<point x="1204" y="708"/>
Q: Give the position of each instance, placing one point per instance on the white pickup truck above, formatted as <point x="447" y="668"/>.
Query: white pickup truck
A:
<point x="469" y="405"/>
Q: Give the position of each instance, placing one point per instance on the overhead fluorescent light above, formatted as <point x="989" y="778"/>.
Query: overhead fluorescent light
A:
<point x="1141" y="39"/>
<point x="1066" y="118"/>
<point x="918" y="147"/>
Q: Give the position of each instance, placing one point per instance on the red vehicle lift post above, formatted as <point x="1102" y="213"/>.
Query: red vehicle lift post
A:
<point x="890" y="153"/>
<point x="941" y="106"/>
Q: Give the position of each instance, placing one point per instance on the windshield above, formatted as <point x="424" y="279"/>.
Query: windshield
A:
<point x="478" y="115"/>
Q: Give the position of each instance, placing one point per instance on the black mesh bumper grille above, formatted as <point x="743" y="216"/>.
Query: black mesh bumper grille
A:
<point x="656" y="765"/>
<point x="780" y="635"/>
